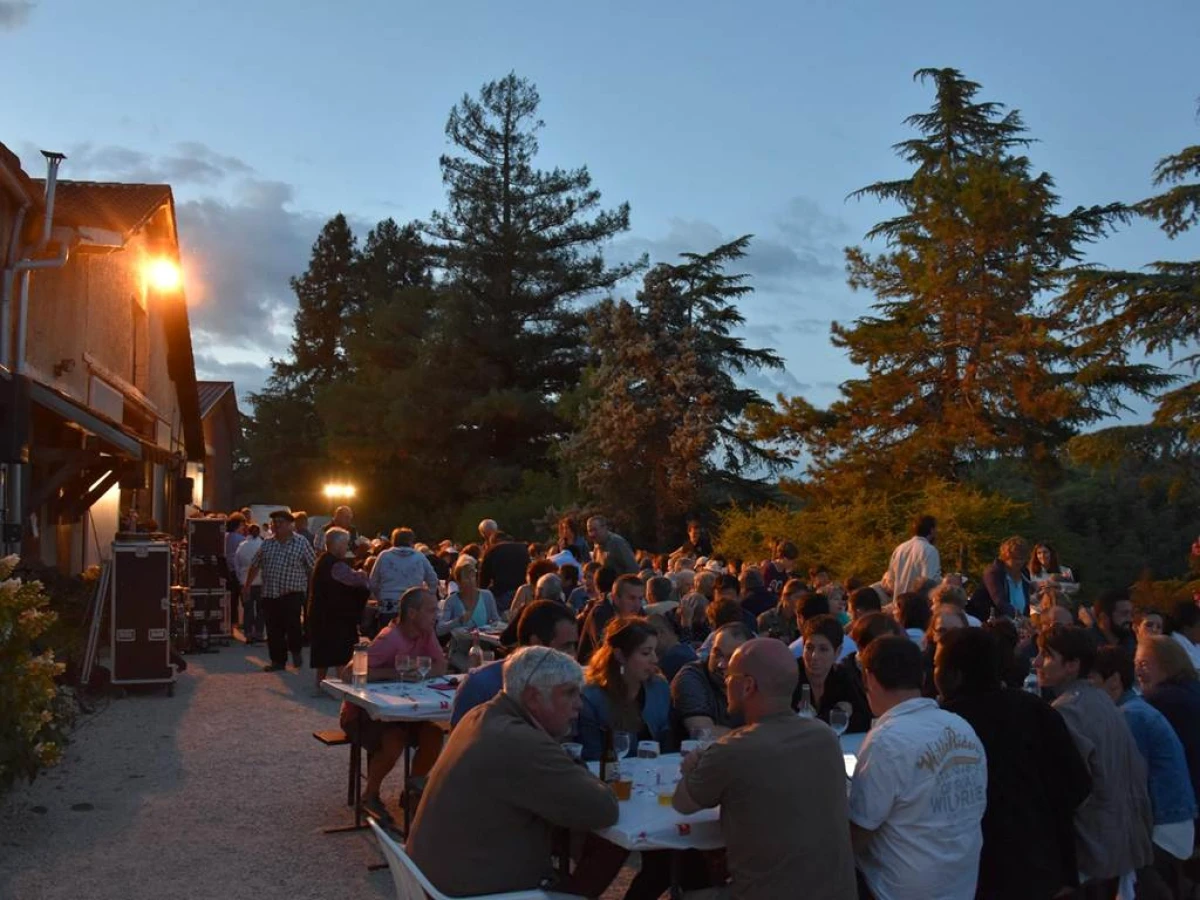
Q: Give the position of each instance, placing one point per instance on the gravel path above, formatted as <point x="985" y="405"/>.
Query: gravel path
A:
<point x="219" y="792"/>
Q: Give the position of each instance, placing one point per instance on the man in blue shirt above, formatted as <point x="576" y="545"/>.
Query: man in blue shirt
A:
<point x="542" y="623"/>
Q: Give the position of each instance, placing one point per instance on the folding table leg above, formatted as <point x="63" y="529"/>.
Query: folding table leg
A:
<point x="355" y="790"/>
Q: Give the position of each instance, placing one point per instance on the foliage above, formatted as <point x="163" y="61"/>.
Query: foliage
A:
<point x="29" y="737"/>
<point x="855" y="536"/>
<point x="962" y="361"/>
<point x="519" y="248"/>
<point x="659" y="420"/>
<point x="1158" y="309"/>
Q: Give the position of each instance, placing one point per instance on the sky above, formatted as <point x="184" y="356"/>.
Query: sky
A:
<point x="712" y="119"/>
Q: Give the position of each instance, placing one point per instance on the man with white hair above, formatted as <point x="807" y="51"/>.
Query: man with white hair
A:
<point x="343" y="517"/>
<point x="504" y="773"/>
<point x="549" y="587"/>
<point x="487" y="528"/>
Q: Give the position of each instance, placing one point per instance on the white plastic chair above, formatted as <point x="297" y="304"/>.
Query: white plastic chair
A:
<point x="411" y="883"/>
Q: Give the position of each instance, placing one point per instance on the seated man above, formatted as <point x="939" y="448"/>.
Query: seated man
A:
<point x="543" y="623"/>
<point x="503" y="782"/>
<point x="920" y="788"/>
<point x="780" y="784"/>
<point x="698" y="696"/>
<point x="410" y="634"/>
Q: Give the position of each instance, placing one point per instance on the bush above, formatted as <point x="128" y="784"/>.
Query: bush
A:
<point x="856" y="536"/>
<point x="31" y="731"/>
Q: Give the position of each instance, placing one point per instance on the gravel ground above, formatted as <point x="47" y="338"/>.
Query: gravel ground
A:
<point x="218" y="792"/>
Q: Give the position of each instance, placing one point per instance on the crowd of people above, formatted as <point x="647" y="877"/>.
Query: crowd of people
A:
<point x="1018" y="743"/>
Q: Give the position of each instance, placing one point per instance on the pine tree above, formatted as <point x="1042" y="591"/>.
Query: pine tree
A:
<point x="660" y="427"/>
<point x="963" y="359"/>
<point x="520" y="247"/>
<point x="1159" y="309"/>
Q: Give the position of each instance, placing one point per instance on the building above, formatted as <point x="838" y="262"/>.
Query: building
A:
<point x="96" y="365"/>
<point x="222" y="423"/>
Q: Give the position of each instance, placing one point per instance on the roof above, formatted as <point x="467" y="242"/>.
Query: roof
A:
<point x="11" y="162"/>
<point x="123" y="208"/>
<point x="211" y="393"/>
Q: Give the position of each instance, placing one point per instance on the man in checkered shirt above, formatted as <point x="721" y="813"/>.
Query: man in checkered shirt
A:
<point x="286" y="563"/>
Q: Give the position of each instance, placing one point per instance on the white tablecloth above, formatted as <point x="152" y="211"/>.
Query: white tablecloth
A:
<point x="395" y="702"/>
<point x="644" y="824"/>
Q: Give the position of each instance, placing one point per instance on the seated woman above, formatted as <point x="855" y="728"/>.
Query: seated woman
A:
<point x="831" y="684"/>
<point x="623" y="690"/>
<point x="467" y="606"/>
<point x="913" y="613"/>
<point x="1169" y="684"/>
<point x="946" y="618"/>
<point x="527" y="592"/>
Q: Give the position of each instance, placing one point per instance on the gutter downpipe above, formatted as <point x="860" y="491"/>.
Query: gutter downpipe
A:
<point x="15" y="477"/>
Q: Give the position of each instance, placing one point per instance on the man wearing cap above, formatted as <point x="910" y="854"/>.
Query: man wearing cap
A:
<point x="285" y="561"/>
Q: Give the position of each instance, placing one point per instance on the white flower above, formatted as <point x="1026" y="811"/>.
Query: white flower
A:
<point x="10" y="587"/>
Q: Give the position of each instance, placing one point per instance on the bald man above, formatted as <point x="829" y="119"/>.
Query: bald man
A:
<point x="781" y="784"/>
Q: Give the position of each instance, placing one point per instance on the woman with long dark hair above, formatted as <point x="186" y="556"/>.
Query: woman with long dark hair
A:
<point x="624" y="691"/>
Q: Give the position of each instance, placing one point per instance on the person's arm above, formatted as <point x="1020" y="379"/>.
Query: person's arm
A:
<point x="431" y="579"/>
<point x="255" y="564"/>
<point x="706" y="775"/>
<point x="873" y="790"/>
<point x="343" y="574"/>
<point x="309" y="554"/>
<point x="933" y="563"/>
<point x="557" y="790"/>
<point x="690" y="698"/>
<point x="590" y="727"/>
<point x="452" y="614"/>
<point x="376" y="580"/>
<point x="437" y="657"/>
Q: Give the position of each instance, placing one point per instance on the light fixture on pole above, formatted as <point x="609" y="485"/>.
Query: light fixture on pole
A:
<point x="338" y="491"/>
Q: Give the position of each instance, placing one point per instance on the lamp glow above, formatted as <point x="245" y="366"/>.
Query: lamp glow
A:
<point x="340" y="491"/>
<point x="164" y="275"/>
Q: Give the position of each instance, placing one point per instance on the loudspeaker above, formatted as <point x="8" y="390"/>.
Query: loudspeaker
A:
<point x="184" y="489"/>
<point x="14" y="419"/>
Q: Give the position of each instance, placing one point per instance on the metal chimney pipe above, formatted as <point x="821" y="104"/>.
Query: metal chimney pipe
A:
<point x="53" y="161"/>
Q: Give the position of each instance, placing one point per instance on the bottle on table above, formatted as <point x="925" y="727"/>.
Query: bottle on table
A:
<point x="359" y="664"/>
<point x="475" y="654"/>
<point x="805" y="710"/>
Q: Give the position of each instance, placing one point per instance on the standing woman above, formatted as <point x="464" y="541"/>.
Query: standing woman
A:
<point x="623" y="690"/>
<point x="337" y="596"/>
<point x="570" y="539"/>
<point x="1044" y="565"/>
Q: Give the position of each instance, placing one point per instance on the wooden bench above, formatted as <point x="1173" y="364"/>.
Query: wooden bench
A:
<point x="335" y="737"/>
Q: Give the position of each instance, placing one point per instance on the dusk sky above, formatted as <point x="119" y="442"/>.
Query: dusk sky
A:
<point x="711" y="119"/>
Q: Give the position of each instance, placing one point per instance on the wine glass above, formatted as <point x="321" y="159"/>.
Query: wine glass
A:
<point x="622" y="743"/>
<point x="424" y="664"/>
<point x="839" y="720"/>
<point x="404" y="665"/>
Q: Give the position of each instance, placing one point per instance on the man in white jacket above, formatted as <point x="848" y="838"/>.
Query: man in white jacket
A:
<point x="397" y="569"/>
<point x="916" y="562"/>
<point x="253" y="627"/>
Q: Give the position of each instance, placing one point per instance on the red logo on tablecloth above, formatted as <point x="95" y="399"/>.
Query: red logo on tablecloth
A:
<point x="685" y="829"/>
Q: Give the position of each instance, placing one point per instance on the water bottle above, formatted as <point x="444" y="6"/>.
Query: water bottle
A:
<point x="202" y="638"/>
<point x="805" y="710"/>
<point x="475" y="654"/>
<point x="360" y="664"/>
<point x="1031" y="685"/>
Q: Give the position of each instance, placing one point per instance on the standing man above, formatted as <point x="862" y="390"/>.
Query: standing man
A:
<point x="609" y="548"/>
<point x="235" y="533"/>
<point x="780" y="783"/>
<point x="302" y="526"/>
<point x="343" y="517"/>
<point x="286" y="562"/>
<point x="916" y="561"/>
<point x="920" y="786"/>
<point x="502" y="569"/>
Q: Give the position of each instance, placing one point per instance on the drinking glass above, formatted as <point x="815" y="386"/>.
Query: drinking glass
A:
<point x="487" y="655"/>
<point x="839" y="721"/>
<point x="404" y="665"/>
<point x="575" y="751"/>
<point x="424" y="664"/>
<point x="622" y="743"/>
<point x="667" y="780"/>
<point x="647" y="750"/>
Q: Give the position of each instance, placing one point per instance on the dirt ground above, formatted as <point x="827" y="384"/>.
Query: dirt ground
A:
<point x="218" y="792"/>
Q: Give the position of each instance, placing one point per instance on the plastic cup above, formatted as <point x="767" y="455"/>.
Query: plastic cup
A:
<point x="648" y="750"/>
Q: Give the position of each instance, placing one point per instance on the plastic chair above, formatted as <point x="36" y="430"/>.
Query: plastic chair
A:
<point x="411" y="883"/>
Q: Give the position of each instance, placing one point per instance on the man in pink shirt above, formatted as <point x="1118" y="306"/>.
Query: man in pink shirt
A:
<point x="411" y="633"/>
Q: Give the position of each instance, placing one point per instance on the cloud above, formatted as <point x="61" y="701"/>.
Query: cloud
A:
<point x="190" y="162"/>
<point x="14" y="14"/>
<point x="239" y="255"/>
<point x="214" y="365"/>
